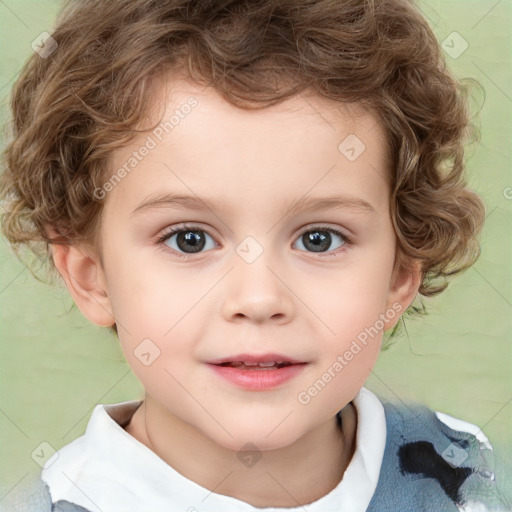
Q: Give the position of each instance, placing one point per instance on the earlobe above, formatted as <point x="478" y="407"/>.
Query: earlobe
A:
<point x="85" y="281"/>
<point x="404" y="285"/>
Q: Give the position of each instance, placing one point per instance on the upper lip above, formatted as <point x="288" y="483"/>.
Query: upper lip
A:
<point x="256" y="358"/>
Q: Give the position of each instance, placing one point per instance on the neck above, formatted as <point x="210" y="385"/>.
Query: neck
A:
<point x="281" y="478"/>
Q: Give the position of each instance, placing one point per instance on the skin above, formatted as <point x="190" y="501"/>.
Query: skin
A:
<point x="308" y="305"/>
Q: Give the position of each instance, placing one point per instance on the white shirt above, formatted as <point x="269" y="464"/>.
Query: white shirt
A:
<point x="108" y="470"/>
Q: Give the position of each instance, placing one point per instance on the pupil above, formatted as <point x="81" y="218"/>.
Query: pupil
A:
<point x="195" y="241"/>
<point x="318" y="241"/>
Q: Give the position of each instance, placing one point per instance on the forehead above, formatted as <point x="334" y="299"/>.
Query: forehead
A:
<point x="202" y="145"/>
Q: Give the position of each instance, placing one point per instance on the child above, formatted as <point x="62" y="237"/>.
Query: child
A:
<point x="311" y="155"/>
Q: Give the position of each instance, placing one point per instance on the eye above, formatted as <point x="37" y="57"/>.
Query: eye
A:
<point x="188" y="240"/>
<point x="184" y="240"/>
<point x="319" y="239"/>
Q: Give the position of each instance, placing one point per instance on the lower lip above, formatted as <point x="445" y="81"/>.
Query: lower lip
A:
<point x="258" y="380"/>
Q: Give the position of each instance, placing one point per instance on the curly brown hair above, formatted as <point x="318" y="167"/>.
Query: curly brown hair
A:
<point x="93" y="92"/>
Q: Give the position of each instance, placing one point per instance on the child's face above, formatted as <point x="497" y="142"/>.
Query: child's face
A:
<point x="257" y="286"/>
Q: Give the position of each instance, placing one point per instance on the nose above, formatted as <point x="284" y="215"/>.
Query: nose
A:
<point x="258" y="293"/>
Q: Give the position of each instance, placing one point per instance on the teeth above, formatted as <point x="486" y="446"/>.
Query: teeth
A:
<point x="267" y="364"/>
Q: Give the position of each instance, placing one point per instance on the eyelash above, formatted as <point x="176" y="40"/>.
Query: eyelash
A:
<point x="347" y="242"/>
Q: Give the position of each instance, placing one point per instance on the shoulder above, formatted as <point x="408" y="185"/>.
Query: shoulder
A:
<point x="458" y="425"/>
<point x="435" y="461"/>
<point x="32" y="494"/>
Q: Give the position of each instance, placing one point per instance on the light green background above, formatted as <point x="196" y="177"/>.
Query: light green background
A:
<point x="55" y="366"/>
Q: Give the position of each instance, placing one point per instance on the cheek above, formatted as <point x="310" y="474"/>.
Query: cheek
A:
<point x="148" y="297"/>
<point x="149" y="315"/>
<point x="352" y="299"/>
<point x="352" y="307"/>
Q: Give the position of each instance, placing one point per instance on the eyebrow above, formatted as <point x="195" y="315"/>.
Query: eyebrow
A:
<point x="170" y="200"/>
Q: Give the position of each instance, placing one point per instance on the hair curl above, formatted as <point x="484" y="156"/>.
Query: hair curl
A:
<point x="73" y="108"/>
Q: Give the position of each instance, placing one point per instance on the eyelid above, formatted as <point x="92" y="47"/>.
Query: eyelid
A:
<point x="324" y="227"/>
<point x="180" y="227"/>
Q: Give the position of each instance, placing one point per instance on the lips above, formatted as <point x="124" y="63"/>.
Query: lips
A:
<point x="257" y="372"/>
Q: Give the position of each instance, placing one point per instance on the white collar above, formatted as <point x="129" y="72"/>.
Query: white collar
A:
<point x="108" y="470"/>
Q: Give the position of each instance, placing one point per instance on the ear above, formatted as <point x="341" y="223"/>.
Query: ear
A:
<point x="403" y="287"/>
<point x="83" y="274"/>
